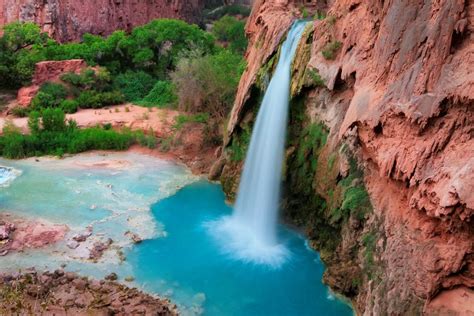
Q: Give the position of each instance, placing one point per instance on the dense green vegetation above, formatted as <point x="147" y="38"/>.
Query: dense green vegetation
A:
<point x="51" y="134"/>
<point x="240" y="143"/>
<point x="91" y="88"/>
<point x="136" y="61"/>
<point x="207" y="83"/>
<point x="355" y="199"/>
<point x="232" y="31"/>
<point x="165" y="63"/>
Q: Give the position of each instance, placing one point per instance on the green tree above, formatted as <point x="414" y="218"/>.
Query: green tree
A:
<point x="53" y="120"/>
<point x="20" y="49"/>
<point x="229" y="29"/>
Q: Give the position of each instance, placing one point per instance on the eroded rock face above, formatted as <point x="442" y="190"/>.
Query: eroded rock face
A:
<point x="68" y="20"/>
<point x="48" y="71"/>
<point x="397" y="92"/>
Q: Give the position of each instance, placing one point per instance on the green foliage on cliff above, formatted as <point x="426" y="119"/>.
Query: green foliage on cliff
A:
<point x="369" y="241"/>
<point x="240" y="143"/>
<point x="309" y="145"/>
<point x="89" y="89"/>
<point x="355" y="199"/>
<point x="329" y="51"/>
<point x="314" y="79"/>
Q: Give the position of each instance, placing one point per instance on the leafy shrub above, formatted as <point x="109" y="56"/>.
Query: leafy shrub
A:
<point x="50" y="95"/>
<point x="89" y="79"/>
<point x="162" y="95"/>
<point x="96" y="100"/>
<point x="146" y="140"/>
<point x="56" y="90"/>
<point x="182" y="119"/>
<point x="69" y="106"/>
<point x="53" y="120"/>
<point x="134" y="85"/>
<point x="88" y="99"/>
<point x="315" y="78"/>
<point x="51" y="134"/>
<point x="43" y="100"/>
<point x="111" y="98"/>
<point x="20" y="111"/>
<point x="208" y="83"/>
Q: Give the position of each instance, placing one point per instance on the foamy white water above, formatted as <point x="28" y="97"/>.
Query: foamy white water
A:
<point x="250" y="233"/>
<point x="7" y="175"/>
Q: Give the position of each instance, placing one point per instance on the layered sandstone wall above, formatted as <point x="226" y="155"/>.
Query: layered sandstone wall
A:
<point x="68" y="20"/>
<point x="396" y="95"/>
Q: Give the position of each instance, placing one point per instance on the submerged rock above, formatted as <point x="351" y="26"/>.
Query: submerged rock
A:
<point x="112" y="277"/>
<point x="72" y="244"/>
<point x="134" y="237"/>
<point x="99" y="248"/>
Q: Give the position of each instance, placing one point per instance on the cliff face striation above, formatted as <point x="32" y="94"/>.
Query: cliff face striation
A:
<point x="380" y="157"/>
<point x="68" y="20"/>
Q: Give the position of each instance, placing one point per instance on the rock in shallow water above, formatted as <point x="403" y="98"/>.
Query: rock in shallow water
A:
<point x="72" y="244"/>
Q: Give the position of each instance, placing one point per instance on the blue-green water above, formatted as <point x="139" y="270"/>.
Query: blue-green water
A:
<point x="164" y="204"/>
<point x="191" y="259"/>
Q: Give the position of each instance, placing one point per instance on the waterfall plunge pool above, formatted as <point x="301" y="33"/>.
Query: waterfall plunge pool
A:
<point x="169" y="208"/>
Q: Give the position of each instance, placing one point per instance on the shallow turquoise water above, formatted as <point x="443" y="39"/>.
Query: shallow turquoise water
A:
<point x="189" y="260"/>
<point x="180" y="259"/>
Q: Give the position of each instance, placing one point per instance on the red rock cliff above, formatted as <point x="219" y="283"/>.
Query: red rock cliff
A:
<point x="67" y="20"/>
<point x="399" y="91"/>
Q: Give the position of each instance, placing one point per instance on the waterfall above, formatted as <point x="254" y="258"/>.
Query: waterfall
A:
<point x="251" y="232"/>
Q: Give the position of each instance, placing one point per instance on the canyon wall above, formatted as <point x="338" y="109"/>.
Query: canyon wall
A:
<point x="68" y="20"/>
<point x="380" y="157"/>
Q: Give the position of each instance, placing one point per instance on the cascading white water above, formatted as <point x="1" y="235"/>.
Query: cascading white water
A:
<point x="250" y="233"/>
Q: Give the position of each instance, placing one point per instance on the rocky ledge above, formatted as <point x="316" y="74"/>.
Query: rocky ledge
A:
<point x="66" y="293"/>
